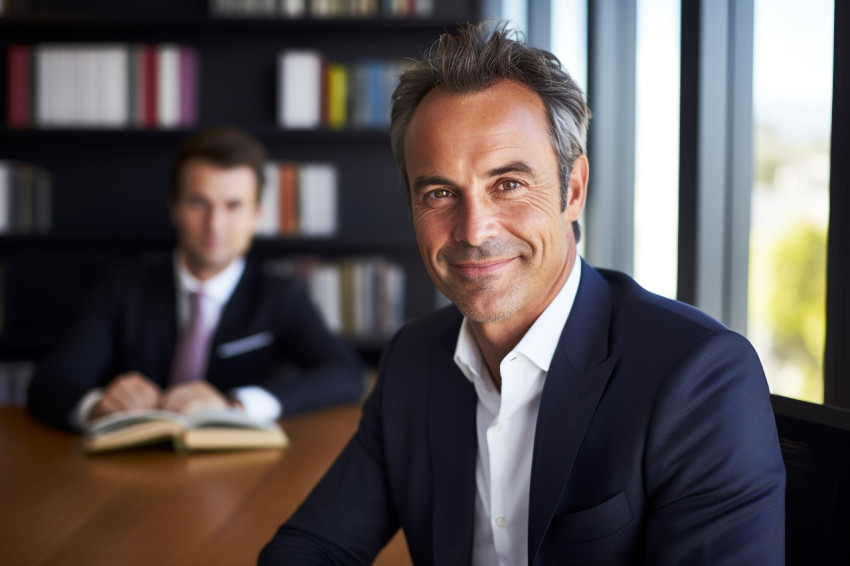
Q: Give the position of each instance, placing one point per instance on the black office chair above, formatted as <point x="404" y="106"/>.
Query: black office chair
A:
<point x="815" y="442"/>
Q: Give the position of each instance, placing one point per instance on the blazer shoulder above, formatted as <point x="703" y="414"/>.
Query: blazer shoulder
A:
<point x="269" y="279"/>
<point x="264" y="291"/>
<point x="635" y="306"/>
<point x="135" y="281"/>
<point x="648" y="330"/>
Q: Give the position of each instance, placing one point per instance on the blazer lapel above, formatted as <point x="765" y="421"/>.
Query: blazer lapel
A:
<point x="163" y="320"/>
<point x="237" y="310"/>
<point x="577" y="377"/>
<point x="453" y="445"/>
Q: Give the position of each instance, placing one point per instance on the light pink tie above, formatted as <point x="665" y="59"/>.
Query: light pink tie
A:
<point x="191" y="352"/>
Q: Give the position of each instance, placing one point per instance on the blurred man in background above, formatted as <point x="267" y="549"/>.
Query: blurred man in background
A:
<point x="207" y="328"/>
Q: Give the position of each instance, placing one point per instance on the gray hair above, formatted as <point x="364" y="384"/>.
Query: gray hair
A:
<point x="474" y="58"/>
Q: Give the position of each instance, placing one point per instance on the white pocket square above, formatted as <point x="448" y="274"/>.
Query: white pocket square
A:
<point x="247" y="344"/>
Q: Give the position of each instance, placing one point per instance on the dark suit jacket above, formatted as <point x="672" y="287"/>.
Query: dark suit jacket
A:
<point x="269" y="334"/>
<point x="655" y="444"/>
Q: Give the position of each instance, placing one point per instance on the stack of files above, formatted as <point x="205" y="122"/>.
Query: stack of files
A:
<point x="101" y="86"/>
<point x="25" y="199"/>
<point x="299" y="199"/>
<point x="314" y="93"/>
<point x="360" y="297"/>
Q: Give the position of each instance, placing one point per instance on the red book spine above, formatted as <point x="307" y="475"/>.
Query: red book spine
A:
<point x="325" y="93"/>
<point x="288" y="181"/>
<point x="151" y="86"/>
<point x="19" y="86"/>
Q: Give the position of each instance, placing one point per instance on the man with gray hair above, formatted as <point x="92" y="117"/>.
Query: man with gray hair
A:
<point x="555" y="413"/>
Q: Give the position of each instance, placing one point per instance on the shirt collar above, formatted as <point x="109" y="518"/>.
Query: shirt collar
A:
<point x="219" y="287"/>
<point x="538" y="344"/>
<point x="541" y="340"/>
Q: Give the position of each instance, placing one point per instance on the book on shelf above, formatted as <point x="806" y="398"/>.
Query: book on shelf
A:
<point x="168" y="86"/>
<point x="269" y="223"/>
<point x="211" y="429"/>
<point x="317" y="193"/>
<point x="287" y="202"/>
<point x="18" y="90"/>
<point x="148" y="89"/>
<point x="292" y="8"/>
<point x="235" y="8"/>
<point x="321" y="8"/>
<point x="188" y="87"/>
<point x="337" y="98"/>
<point x="102" y="85"/>
<point x="300" y="97"/>
<point x="372" y="84"/>
<point x="25" y="199"/>
<point x="299" y="199"/>
<point x="316" y="93"/>
<point x="357" y="296"/>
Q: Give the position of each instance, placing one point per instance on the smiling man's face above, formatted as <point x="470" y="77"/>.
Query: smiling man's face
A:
<point x="485" y="201"/>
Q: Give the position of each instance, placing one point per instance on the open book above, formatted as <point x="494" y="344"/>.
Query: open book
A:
<point x="213" y="429"/>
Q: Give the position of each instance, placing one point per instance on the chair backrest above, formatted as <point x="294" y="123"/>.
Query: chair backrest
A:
<point x="815" y="442"/>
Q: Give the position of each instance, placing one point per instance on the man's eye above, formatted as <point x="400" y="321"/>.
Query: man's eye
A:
<point x="509" y="185"/>
<point x="439" y="194"/>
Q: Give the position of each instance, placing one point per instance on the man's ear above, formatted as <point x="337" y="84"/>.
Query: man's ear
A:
<point x="577" y="189"/>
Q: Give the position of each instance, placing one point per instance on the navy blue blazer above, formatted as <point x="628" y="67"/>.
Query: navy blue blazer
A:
<point x="269" y="335"/>
<point x="655" y="444"/>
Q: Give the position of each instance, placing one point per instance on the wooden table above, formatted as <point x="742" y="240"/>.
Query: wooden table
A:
<point x="150" y="506"/>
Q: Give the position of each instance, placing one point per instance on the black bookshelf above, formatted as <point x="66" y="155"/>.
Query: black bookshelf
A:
<point x="110" y="185"/>
<point x="264" y="246"/>
<point x="263" y="131"/>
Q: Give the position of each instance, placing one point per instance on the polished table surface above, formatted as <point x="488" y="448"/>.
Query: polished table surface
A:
<point x="150" y="506"/>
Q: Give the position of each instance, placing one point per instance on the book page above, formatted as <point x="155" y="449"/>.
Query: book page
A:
<point x="228" y="417"/>
<point x="123" y="419"/>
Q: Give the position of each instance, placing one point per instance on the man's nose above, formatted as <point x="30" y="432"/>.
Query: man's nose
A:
<point x="216" y="219"/>
<point x="477" y="221"/>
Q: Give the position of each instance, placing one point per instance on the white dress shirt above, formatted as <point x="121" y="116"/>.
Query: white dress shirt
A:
<point x="505" y="427"/>
<point x="257" y="403"/>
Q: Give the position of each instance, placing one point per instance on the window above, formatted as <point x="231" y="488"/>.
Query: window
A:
<point x="657" y="145"/>
<point x="762" y="200"/>
<point x="792" y="114"/>
<point x="568" y="36"/>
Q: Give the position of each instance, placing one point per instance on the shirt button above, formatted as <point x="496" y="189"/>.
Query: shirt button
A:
<point x="501" y="521"/>
<point x="496" y="429"/>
